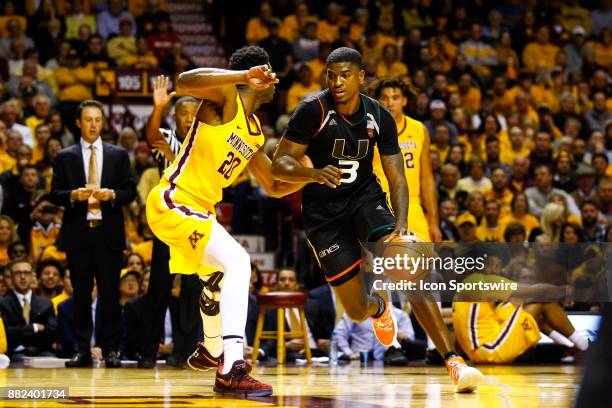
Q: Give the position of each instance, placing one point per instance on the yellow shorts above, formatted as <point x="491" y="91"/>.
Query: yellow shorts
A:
<point x="185" y="229"/>
<point x="417" y="223"/>
<point x="512" y="335"/>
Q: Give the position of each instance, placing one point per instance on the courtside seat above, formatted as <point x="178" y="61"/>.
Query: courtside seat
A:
<point x="281" y="301"/>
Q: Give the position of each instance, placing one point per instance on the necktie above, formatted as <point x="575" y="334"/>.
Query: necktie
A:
<point x="93" y="181"/>
<point x="26" y="310"/>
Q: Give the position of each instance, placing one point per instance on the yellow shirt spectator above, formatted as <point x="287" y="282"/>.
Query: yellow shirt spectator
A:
<point x="383" y="70"/>
<point x="528" y="221"/>
<point x="75" y="82"/>
<point x="256" y="30"/>
<point x="537" y="54"/>
<point x="144" y="249"/>
<point x="301" y="88"/>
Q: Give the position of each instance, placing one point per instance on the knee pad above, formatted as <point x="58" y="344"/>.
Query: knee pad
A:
<point x="211" y="292"/>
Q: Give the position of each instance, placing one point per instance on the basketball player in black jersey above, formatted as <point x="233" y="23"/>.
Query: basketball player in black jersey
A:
<point x="344" y="205"/>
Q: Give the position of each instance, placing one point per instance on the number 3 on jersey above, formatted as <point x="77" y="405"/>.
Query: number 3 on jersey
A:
<point x="227" y="167"/>
<point x="348" y="167"/>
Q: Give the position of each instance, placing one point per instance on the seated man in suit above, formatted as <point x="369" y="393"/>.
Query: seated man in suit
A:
<point x="66" y="327"/>
<point x="29" y="320"/>
<point x="287" y="282"/>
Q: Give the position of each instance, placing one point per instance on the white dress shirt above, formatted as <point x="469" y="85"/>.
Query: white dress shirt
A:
<point x="86" y="150"/>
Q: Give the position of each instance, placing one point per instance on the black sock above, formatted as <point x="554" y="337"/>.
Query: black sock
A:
<point x="450" y="354"/>
<point x="381" y="306"/>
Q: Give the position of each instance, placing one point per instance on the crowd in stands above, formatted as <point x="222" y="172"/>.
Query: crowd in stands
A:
<point x="517" y="102"/>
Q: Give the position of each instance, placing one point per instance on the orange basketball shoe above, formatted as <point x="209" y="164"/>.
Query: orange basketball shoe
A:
<point x="385" y="327"/>
<point x="238" y="382"/>
<point x="465" y="378"/>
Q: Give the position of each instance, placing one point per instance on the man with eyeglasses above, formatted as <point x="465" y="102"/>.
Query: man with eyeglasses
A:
<point x="29" y="320"/>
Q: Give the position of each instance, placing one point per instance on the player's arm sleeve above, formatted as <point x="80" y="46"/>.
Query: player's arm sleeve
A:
<point x="387" y="136"/>
<point x="305" y="122"/>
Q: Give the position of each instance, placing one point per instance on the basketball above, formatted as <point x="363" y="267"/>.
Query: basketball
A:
<point x="412" y="254"/>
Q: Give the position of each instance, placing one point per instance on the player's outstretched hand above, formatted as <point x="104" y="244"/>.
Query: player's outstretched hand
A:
<point x="161" y="97"/>
<point x="329" y="175"/>
<point x="399" y="231"/>
<point x="261" y="77"/>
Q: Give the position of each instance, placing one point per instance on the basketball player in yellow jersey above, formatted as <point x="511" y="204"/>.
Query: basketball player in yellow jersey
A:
<point x="392" y="93"/>
<point x="224" y="139"/>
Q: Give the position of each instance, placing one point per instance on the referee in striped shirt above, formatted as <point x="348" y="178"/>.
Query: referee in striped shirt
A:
<point x="165" y="145"/>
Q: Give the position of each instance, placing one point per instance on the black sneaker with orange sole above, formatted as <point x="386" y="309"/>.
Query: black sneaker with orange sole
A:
<point x="238" y="382"/>
<point x="202" y="360"/>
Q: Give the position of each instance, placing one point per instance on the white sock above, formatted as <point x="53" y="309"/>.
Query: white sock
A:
<point x="579" y="341"/>
<point x="211" y="326"/>
<point x="430" y="344"/>
<point x="558" y="338"/>
<point x="234" y="351"/>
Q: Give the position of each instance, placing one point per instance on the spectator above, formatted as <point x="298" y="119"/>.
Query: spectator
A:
<point x="287" y="282"/>
<point x="539" y="194"/>
<point x="437" y="110"/>
<point x="390" y="65"/>
<point x="129" y="285"/>
<point x="77" y="19"/>
<point x="571" y="233"/>
<point x="257" y="27"/>
<point x="585" y="179"/>
<point x="466" y="227"/>
<point x="500" y="191"/>
<point x="15" y="31"/>
<point x="48" y="273"/>
<point x="59" y="131"/>
<point x="108" y="20"/>
<point x="45" y="228"/>
<point x="42" y="134"/>
<point x="542" y="154"/>
<point x="279" y="50"/>
<point x="9" y="114"/>
<point x="448" y="212"/>
<point x="563" y="178"/>
<point x="45" y="165"/>
<point x="515" y="233"/>
<point x="95" y="55"/>
<point x="7" y="235"/>
<point x="92" y="232"/>
<point x="520" y="214"/>
<point x="551" y="219"/>
<point x="593" y="230"/>
<point x="600" y="163"/>
<point x="42" y="109"/>
<point x="121" y="47"/>
<point x="306" y="45"/>
<point x="540" y="53"/>
<point x="19" y="204"/>
<point x="8" y="158"/>
<point x="441" y="141"/>
<point x="146" y="21"/>
<point x="476" y="180"/>
<point x="75" y="84"/>
<point x="66" y="288"/>
<point x="506" y="55"/>
<point x="329" y="25"/>
<point x="573" y="15"/>
<point x="599" y="115"/>
<point x="31" y="327"/>
<point x="480" y="55"/>
<point x="161" y="42"/>
<point x="517" y="146"/>
<point x="143" y="58"/>
<point x="301" y="88"/>
<point x="489" y="230"/>
<point x="10" y="178"/>
<point x="604" y="195"/>
<point x="575" y="50"/>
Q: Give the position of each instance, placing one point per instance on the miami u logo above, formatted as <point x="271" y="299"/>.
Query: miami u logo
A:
<point x="338" y="152"/>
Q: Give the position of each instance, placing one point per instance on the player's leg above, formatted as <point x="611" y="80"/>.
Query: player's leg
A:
<point x="555" y="317"/>
<point x="339" y="254"/>
<point x="224" y="253"/>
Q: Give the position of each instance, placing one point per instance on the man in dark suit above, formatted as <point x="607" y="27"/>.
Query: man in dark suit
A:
<point x="324" y="318"/>
<point x="29" y="320"/>
<point x="92" y="180"/>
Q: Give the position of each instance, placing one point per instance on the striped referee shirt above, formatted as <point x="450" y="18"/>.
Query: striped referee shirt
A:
<point x="175" y="145"/>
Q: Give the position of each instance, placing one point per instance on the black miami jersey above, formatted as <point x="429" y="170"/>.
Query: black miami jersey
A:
<point x="346" y="143"/>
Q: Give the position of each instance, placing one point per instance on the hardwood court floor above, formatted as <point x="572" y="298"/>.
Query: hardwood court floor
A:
<point x="349" y="386"/>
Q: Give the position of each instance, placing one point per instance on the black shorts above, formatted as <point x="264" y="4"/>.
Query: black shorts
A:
<point x="337" y="242"/>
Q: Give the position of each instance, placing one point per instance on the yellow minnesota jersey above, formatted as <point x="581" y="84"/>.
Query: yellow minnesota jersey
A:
<point x="411" y="137"/>
<point x="181" y="209"/>
<point x="492" y="332"/>
<point x="211" y="158"/>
